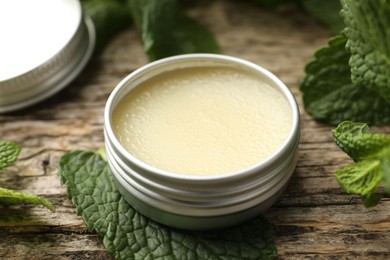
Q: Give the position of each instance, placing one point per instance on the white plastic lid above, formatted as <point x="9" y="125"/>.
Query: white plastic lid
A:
<point x="44" y="45"/>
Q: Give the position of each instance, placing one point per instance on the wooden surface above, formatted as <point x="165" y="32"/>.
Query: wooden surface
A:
<point x="314" y="219"/>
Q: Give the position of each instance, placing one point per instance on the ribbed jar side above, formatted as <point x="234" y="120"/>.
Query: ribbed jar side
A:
<point x="185" y="217"/>
<point x="214" y="200"/>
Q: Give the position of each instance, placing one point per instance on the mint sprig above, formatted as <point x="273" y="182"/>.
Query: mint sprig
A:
<point x="350" y="78"/>
<point x="358" y="142"/>
<point x="129" y="235"/>
<point x="371" y="153"/>
<point x="329" y="94"/>
<point x="9" y="152"/>
<point x="11" y="197"/>
<point x="367" y="28"/>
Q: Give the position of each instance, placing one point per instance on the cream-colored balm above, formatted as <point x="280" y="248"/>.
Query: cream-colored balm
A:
<point x="203" y="121"/>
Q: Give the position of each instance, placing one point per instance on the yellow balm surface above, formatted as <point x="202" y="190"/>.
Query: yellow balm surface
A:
<point x="202" y="121"/>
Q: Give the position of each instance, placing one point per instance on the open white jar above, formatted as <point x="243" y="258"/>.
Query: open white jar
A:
<point x="45" y="44"/>
<point x="162" y="121"/>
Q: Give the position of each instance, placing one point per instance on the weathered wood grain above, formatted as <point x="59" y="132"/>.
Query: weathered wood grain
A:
<point x="314" y="219"/>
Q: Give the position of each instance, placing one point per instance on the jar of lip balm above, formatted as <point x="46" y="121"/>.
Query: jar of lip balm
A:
<point x="201" y="141"/>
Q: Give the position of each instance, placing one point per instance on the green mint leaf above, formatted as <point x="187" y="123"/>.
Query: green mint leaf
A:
<point x="356" y="140"/>
<point x="8" y="153"/>
<point x="361" y="178"/>
<point x="329" y="95"/>
<point x="367" y="28"/>
<point x="11" y="197"/>
<point x="109" y="18"/>
<point x="371" y="201"/>
<point x="167" y="31"/>
<point x="129" y="235"/>
<point x="385" y="163"/>
<point x="327" y="12"/>
<point x="372" y="155"/>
